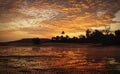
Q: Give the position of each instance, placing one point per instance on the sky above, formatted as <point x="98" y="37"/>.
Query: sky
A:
<point x="46" y="18"/>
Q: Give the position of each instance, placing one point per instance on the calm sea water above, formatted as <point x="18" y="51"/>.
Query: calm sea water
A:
<point x="65" y="59"/>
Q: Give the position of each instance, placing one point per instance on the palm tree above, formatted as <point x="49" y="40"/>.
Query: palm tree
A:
<point x="88" y="33"/>
<point x="67" y="37"/>
<point x="63" y="33"/>
<point x="117" y="33"/>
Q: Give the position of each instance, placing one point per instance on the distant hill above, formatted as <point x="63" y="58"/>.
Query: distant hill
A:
<point x="26" y="41"/>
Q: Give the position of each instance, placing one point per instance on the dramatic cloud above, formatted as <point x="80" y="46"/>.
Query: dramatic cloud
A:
<point x="46" y="18"/>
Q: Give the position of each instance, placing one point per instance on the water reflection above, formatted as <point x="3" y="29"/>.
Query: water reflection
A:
<point x="36" y="49"/>
<point x="49" y="58"/>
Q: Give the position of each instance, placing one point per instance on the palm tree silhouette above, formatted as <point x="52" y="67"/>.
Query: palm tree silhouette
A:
<point x="62" y="33"/>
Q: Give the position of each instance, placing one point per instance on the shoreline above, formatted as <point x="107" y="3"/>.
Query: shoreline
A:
<point x="47" y="44"/>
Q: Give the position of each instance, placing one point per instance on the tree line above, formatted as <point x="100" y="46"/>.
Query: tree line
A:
<point x="94" y="36"/>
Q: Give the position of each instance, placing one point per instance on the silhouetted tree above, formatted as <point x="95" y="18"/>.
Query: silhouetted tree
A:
<point x="36" y="40"/>
<point x="57" y="38"/>
<point x="107" y="30"/>
<point x="117" y="33"/>
<point x="82" y="38"/>
<point x="96" y="36"/>
<point x="53" y="38"/>
<point x="61" y="37"/>
<point x="88" y="33"/>
<point x="67" y="37"/>
<point x="63" y="33"/>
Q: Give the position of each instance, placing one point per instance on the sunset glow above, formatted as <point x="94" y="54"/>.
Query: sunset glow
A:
<point x="46" y="18"/>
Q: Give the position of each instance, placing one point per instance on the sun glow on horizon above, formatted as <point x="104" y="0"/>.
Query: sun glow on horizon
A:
<point x="44" y="18"/>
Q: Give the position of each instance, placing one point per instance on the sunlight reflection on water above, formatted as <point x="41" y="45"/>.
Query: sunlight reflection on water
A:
<point x="81" y="58"/>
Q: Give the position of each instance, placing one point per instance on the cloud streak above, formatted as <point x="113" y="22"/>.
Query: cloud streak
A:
<point x="50" y="17"/>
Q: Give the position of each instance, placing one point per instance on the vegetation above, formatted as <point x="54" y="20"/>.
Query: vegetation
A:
<point x="36" y="41"/>
<point x="96" y="36"/>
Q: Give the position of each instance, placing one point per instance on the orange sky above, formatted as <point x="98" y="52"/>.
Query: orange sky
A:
<point x="47" y="18"/>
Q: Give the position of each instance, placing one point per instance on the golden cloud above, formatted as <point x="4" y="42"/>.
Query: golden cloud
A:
<point x="50" y="17"/>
